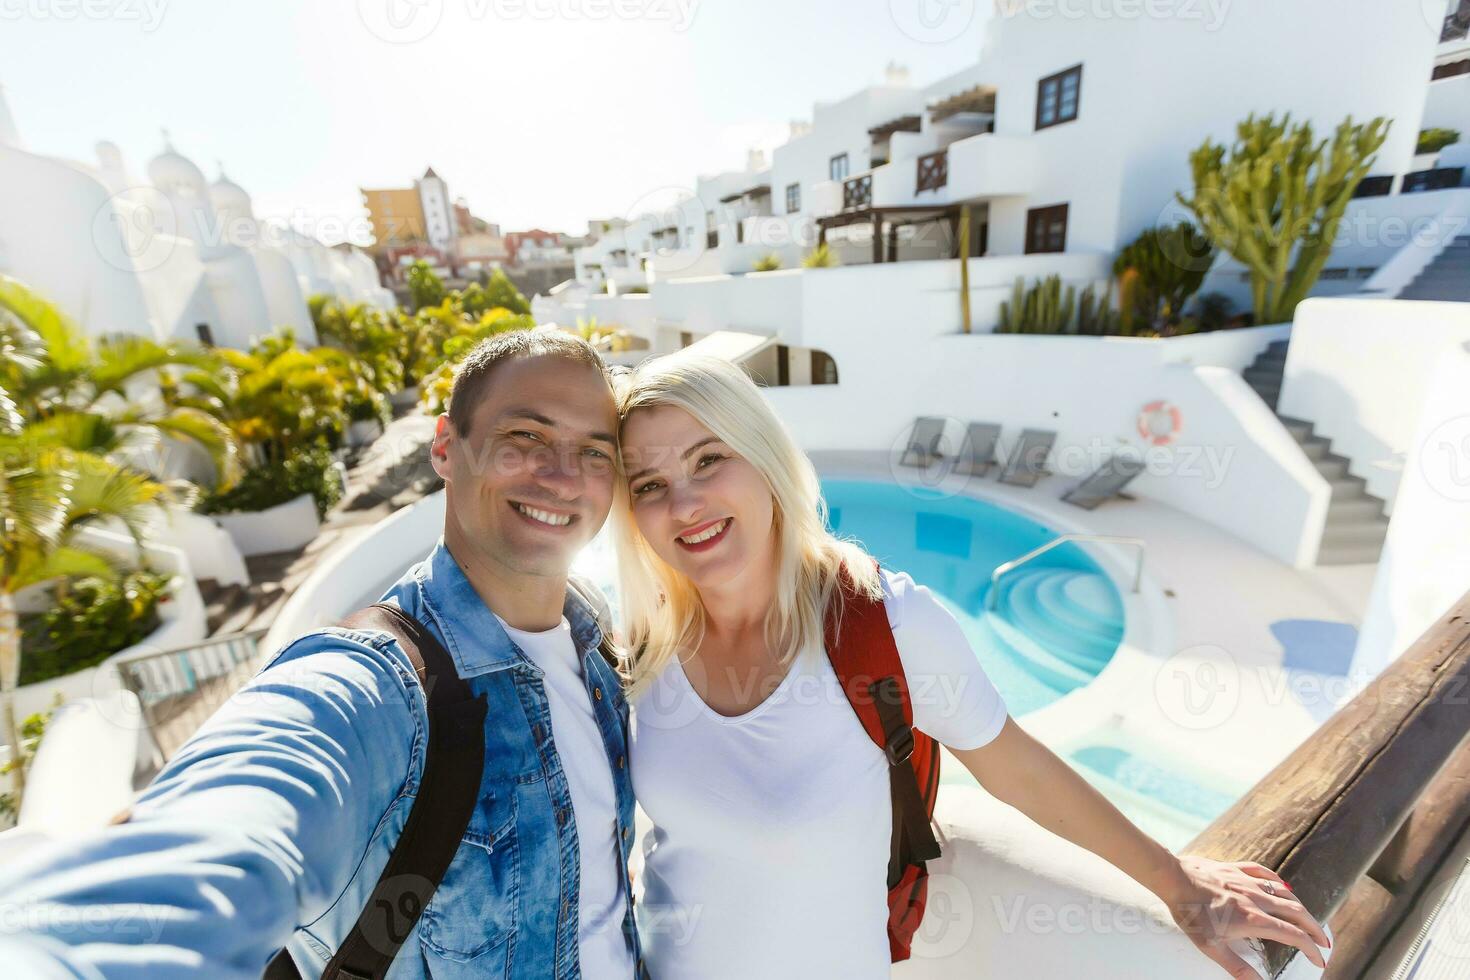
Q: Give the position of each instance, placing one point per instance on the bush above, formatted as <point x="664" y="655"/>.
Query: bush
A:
<point x="92" y="619"/>
<point x="820" y="257"/>
<point x="309" y="471"/>
<point x="769" y="262"/>
<point x="1434" y="140"/>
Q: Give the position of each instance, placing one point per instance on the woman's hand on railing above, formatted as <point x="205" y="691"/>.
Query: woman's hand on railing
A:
<point x="1226" y="900"/>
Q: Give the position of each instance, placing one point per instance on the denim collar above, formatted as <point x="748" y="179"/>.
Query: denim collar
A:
<point x="472" y="634"/>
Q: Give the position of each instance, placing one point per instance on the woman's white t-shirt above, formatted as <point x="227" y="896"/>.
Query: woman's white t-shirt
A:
<point x="771" y="829"/>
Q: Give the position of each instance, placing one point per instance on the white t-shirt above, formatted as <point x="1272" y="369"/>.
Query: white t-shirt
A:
<point x="771" y="830"/>
<point x="602" y="949"/>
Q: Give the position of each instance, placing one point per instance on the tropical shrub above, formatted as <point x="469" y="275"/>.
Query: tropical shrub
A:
<point x="769" y="262"/>
<point x="435" y="387"/>
<point x="425" y="288"/>
<point x="820" y="257"/>
<point x="1158" y="273"/>
<point x="28" y="737"/>
<point x="92" y="618"/>
<point x="501" y="292"/>
<point x="1046" y="307"/>
<point x="1275" y="198"/>
<point x="1436" y="139"/>
<point x="305" y="471"/>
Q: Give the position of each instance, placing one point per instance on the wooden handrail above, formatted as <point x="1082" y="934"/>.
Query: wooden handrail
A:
<point x="1328" y="813"/>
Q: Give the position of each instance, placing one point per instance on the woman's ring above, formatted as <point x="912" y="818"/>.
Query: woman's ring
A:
<point x="1270" y="888"/>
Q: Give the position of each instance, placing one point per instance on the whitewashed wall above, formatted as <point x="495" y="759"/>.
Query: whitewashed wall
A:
<point x="1357" y="368"/>
<point x="1425" y="566"/>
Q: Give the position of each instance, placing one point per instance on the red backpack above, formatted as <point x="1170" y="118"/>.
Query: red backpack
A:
<point x="866" y="662"/>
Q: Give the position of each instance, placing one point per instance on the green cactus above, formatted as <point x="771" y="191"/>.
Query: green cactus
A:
<point x="1044" y="308"/>
<point x="1275" y="201"/>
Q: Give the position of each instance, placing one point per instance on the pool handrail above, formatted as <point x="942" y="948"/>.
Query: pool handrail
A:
<point x="1015" y="563"/>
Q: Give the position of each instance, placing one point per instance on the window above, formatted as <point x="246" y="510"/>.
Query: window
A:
<point x="793" y="198"/>
<point x="1046" y="229"/>
<point x="1057" y="97"/>
<point x="712" y="233"/>
<point x="837" y="167"/>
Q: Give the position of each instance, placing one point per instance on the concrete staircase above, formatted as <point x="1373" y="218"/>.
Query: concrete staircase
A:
<point x="1356" y="522"/>
<point x="1447" y="277"/>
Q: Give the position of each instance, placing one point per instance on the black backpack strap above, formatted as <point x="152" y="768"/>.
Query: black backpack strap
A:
<point x="448" y="791"/>
<point x="912" y="826"/>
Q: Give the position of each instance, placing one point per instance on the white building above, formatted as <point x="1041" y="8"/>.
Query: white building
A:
<point x="169" y="256"/>
<point x="439" y="218"/>
<point x="1068" y="137"/>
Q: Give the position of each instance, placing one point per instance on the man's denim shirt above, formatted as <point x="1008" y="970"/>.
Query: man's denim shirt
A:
<point x="280" y="814"/>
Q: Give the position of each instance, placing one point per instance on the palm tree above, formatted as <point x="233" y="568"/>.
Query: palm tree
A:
<point x="49" y="492"/>
<point x="102" y="396"/>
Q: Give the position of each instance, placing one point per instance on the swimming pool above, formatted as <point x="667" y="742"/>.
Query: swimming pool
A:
<point x="1056" y="620"/>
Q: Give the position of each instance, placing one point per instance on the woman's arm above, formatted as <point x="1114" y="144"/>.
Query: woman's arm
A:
<point x="1212" y="901"/>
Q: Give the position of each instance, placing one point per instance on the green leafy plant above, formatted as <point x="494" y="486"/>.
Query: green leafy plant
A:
<point x="769" y="262"/>
<point x="501" y="293"/>
<point x="30" y="733"/>
<point x="425" y="288"/>
<point x="1161" y="269"/>
<point x="90" y="620"/>
<point x="820" y="257"/>
<point x="1274" y="200"/>
<point x="306" y="471"/>
<point x="1436" y="139"/>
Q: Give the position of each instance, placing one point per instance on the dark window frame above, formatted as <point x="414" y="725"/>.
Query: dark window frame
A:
<point x="832" y="167"/>
<point x="1040" y="240"/>
<point x="1059" y="79"/>
<point x="793" y="198"/>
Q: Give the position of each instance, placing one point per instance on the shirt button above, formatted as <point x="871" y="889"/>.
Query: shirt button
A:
<point x="621" y="762"/>
<point x="626" y="832"/>
<point x="597" y="693"/>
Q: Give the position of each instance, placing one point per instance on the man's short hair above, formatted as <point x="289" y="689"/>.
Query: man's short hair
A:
<point x="473" y="374"/>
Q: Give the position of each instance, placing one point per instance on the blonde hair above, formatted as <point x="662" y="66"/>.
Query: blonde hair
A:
<point x="662" y="612"/>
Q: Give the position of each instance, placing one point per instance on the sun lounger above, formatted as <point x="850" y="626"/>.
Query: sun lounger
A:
<point x="1105" y="482"/>
<point x="1027" y="462"/>
<point x="977" y="452"/>
<point x="923" y="447"/>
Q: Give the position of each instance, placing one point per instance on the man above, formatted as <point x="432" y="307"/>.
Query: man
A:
<point x="272" y="826"/>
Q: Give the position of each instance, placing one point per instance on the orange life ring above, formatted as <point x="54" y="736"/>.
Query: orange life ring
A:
<point x="1159" y="422"/>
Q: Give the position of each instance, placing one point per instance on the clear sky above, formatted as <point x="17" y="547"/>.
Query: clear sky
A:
<point x="538" y="112"/>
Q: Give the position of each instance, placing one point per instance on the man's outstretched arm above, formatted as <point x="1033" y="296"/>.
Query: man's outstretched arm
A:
<point x="251" y="831"/>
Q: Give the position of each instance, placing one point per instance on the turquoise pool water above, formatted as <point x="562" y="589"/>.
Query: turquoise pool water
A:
<point x="1057" y="620"/>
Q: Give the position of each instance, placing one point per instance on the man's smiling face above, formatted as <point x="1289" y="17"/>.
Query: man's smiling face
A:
<point x="531" y="480"/>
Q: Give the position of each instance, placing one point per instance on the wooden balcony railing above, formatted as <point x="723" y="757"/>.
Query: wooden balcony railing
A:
<point x="857" y="193"/>
<point x="932" y="171"/>
<point x="1360" y="816"/>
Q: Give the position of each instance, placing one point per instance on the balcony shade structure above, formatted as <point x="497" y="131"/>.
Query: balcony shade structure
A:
<point x="979" y="100"/>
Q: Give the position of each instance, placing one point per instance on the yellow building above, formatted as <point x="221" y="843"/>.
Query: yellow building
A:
<point x="397" y="215"/>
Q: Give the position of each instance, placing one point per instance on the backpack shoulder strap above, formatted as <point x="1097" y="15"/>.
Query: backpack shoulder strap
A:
<point x="865" y="658"/>
<point x="448" y="791"/>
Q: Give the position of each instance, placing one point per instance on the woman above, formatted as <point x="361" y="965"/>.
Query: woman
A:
<point x="770" y="803"/>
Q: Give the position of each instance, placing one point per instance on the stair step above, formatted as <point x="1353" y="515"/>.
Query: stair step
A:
<point x="1331" y="467"/>
<point x="1356" y="532"/>
<point x="1315" y="448"/>
<point x="1354" y="508"/>
<point x="1347" y="487"/>
<point x="1299" y="429"/>
<point x="1349" y="554"/>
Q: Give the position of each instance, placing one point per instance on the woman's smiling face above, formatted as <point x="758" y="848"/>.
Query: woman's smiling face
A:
<point x="703" y="509"/>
